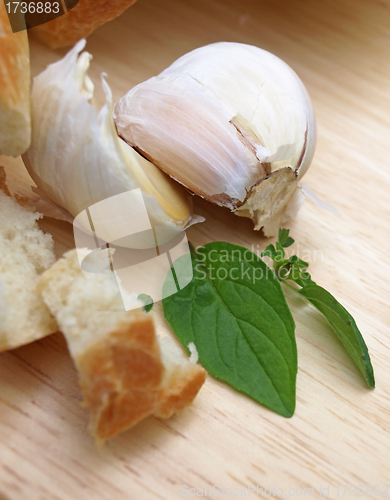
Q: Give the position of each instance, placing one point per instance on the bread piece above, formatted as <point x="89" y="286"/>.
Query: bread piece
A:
<point x="15" y="121"/>
<point x="126" y="373"/>
<point x="25" y="252"/>
<point x="79" y="22"/>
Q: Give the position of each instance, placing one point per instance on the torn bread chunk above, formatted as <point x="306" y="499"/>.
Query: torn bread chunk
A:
<point x="80" y="21"/>
<point x="15" y="118"/>
<point x="25" y="252"/>
<point x="126" y="373"/>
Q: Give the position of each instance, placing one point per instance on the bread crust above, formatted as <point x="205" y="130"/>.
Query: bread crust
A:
<point x="181" y="391"/>
<point x="3" y="182"/>
<point x="79" y="22"/>
<point x="120" y="376"/>
<point x="15" y="119"/>
<point x="123" y="379"/>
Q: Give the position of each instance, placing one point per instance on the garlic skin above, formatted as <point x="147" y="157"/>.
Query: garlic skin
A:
<point x="76" y="157"/>
<point x="231" y="122"/>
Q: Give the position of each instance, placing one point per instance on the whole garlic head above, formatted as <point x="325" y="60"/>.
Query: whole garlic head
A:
<point x="76" y="157"/>
<point x="231" y="122"/>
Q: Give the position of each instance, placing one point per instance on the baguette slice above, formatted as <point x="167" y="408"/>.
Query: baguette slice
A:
<point x="79" y="22"/>
<point x="15" y="120"/>
<point x="126" y="373"/>
<point x="25" y="252"/>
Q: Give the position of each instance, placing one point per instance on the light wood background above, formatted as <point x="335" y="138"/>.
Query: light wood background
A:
<point x="339" y="434"/>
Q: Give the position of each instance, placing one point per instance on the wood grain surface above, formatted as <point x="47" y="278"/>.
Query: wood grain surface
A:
<point x="339" y="434"/>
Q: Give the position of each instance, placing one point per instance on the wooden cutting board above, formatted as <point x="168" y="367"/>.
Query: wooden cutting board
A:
<point x="339" y="434"/>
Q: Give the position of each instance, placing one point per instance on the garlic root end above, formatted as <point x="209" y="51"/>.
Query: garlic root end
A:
<point x="268" y="201"/>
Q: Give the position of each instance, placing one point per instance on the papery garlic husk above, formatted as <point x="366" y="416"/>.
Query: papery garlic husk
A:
<point x="76" y="157"/>
<point x="231" y="122"/>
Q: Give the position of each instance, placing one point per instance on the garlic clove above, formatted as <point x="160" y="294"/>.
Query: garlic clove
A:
<point x="190" y="140"/>
<point x="76" y="156"/>
<point x="222" y="120"/>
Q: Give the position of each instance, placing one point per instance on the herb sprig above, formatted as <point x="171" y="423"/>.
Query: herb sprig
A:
<point x="295" y="270"/>
<point x="235" y="312"/>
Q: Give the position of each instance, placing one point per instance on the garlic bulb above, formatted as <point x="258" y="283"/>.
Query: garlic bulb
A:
<point x="231" y="122"/>
<point x="76" y="157"/>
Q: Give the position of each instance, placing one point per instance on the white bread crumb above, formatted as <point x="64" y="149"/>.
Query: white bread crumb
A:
<point x="194" y="352"/>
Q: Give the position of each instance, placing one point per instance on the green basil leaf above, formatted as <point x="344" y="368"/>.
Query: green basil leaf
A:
<point x="235" y="312"/>
<point x="295" y="269"/>
<point x="344" y="325"/>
